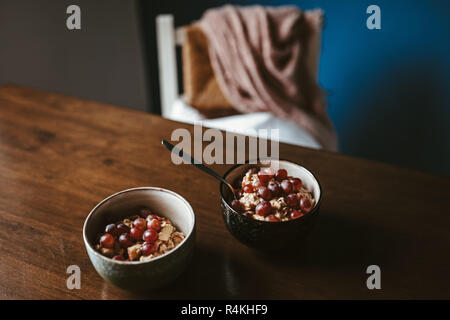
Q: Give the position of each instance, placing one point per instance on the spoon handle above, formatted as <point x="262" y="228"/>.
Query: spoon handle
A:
<point x="187" y="157"/>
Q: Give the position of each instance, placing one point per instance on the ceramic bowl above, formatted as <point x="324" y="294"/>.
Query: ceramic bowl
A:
<point x="269" y="235"/>
<point x="135" y="275"/>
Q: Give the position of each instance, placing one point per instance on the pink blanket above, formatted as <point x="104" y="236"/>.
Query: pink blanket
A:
<point x="265" y="59"/>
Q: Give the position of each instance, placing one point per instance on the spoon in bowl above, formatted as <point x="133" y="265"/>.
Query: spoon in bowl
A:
<point x="185" y="156"/>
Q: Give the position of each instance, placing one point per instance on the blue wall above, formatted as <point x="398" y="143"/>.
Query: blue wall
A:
<point x="388" y="89"/>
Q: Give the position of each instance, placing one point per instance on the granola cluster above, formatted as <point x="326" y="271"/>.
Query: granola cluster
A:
<point x="139" y="237"/>
<point x="268" y="196"/>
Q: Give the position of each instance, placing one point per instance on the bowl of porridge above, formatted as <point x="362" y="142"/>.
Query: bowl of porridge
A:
<point x="140" y="239"/>
<point x="276" y="203"/>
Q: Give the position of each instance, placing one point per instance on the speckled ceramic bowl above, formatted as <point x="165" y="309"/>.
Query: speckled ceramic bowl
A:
<point x="263" y="235"/>
<point x="135" y="275"/>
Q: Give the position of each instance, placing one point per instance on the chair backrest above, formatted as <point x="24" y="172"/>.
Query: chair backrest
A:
<point x="167" y="38"/>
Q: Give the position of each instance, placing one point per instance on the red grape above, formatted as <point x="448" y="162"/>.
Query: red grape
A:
<point x="140" y="223"/>
<point x="305" y="205"/>
<point x="153" y="216"/>
<point x="265" y="193"/>
<point x="265" y="174"/>
<point x="286" y="185"/>
<point x="258" y="183"/>
<point x="111" y="229"/>
<point x="154" y="224"/>
<point x="136" y="233"/>
<point x="272" y="218"/>
<point x="122" y="228"/>
<point x="236" y="205"/>
<point x="150" y="235"/>
<point x="263" y="209"/>
<point x="248" y="188"/>
<point x="119" y="258"/>
<point x="292" y="200"/>
<point x="296" y="184"/>
<point x="107" y="240"/>
<point x="281" y="175"/>
<point x="148" y="248"/>
<point x="125" y="240"/>
<point x="274" y="188"/>
<point x="296" y="214"/>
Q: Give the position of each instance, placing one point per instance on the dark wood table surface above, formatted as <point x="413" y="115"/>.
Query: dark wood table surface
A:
<point x="59" y="156"/>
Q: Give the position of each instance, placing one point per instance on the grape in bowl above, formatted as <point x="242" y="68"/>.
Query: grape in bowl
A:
<point x="277" y="204"/>
<point x="147" y="274"/>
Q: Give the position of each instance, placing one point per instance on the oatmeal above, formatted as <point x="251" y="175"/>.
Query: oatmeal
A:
<point x="139" y="237"/>
<point x="268" y="196"/>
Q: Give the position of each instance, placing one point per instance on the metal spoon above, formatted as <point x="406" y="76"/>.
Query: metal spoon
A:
<point x="187" y="157"/>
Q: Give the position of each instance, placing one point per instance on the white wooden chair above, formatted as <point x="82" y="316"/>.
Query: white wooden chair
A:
<point x="173" y="106"/>
<point x="167" y="39"/>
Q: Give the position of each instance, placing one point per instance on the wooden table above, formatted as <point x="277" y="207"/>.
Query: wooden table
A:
<point x="59" y="156"/>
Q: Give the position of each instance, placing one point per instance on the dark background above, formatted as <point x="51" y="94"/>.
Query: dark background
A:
<point x="388" y="89"/>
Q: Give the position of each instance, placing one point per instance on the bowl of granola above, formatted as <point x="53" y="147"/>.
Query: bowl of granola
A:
<point x="140" y="239"/>
<point x="276" y="203"/>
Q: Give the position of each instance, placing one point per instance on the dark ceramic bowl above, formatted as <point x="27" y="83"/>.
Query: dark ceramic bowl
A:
<point x="269" y="235"/>
<point x="136" y="275"/>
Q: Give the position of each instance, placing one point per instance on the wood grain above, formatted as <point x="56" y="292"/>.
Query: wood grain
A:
<point x="59" y="156"/>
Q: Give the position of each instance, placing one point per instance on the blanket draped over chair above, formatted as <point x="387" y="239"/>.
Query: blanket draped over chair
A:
<point x="266" y="59"/>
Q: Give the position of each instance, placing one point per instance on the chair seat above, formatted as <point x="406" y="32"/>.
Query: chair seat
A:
<point x="289" y="131"/>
